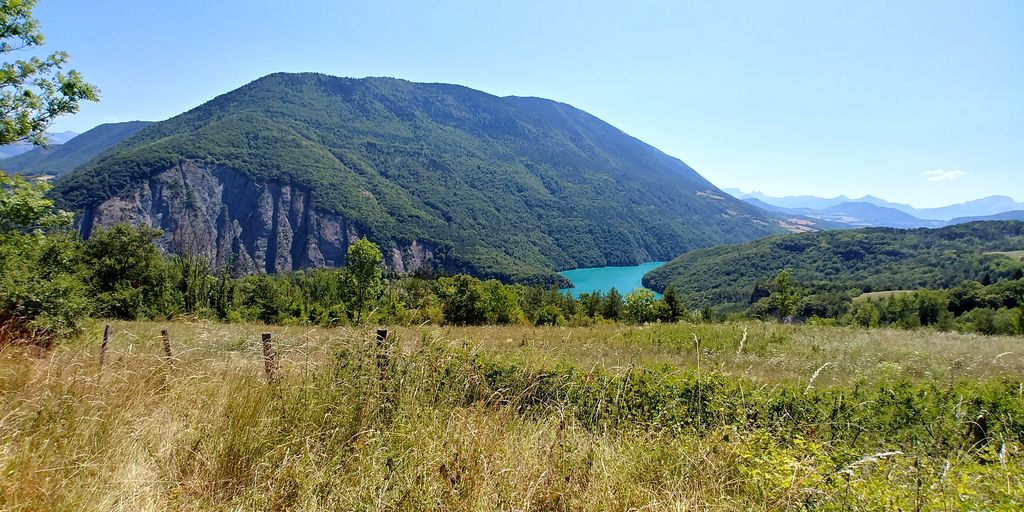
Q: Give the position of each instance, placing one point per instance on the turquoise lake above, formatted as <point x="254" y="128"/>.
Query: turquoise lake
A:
<point x="623" y="279"/>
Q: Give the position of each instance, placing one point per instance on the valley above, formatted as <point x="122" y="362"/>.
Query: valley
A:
<point x="424" y="256"/>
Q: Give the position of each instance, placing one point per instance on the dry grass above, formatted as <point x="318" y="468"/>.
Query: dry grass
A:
<point x="1018" y="255"/>
<point x="880" y="295"/>
<point x="208" y="433"/>
<point x="773" y="353"/>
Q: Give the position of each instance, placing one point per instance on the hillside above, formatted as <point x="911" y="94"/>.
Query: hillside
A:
<point x="60" y="159"/>
<point x="18" y="148"/>
<point x="283" y="172"/>
<point x="871" y="259"/>
<point x="1010" y="215"/>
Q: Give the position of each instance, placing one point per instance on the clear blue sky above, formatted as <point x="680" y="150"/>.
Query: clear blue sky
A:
<point x="812" y="97"/>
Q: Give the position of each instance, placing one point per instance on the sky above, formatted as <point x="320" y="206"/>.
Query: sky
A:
<point x="919" y="102"/>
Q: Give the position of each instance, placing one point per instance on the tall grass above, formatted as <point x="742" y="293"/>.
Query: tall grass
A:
<point x="511" y="419"/>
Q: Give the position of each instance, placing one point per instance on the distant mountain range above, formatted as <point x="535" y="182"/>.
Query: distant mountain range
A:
<point x="59" y="159"/>
<point x="872" y="211"/>
<point x="24" y="147"/>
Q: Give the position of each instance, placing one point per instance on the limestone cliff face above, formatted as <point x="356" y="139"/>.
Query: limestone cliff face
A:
<point x="231" y="219"/>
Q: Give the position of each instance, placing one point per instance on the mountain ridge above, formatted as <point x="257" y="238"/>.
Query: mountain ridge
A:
<point x="844" y="261"/>
<point x="818" y="207"/>
<point x="507" y="187"/>
<point x="60" y="159"/>
<point x="18" y="148"/>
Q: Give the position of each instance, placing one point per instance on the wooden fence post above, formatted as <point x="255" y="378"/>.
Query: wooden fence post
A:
<point x="382" y="352"/>
<point x="103" y="348"/>
<point x="167" y="346"/>
<point x="269" y="362"/>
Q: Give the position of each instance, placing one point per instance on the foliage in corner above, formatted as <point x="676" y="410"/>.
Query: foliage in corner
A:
<point x="34" y="91"/>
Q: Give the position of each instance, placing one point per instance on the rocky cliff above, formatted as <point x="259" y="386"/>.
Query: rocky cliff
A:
<point x="254" y="227"/>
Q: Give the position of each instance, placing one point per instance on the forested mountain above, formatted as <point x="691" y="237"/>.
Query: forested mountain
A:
<point x="59" y="159"/>
<point x="871" y="259"/>
<point x="283" y="172"/>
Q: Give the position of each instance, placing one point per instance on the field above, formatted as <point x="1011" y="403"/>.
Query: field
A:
<point x="881" y="295"/>
<point x="1019" y="255"/>
<point x="739" y="416"/>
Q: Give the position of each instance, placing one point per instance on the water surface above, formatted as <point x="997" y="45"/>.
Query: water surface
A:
<point x="623" y="279"/>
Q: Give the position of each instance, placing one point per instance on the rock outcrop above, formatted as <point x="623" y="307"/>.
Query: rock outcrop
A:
<point x="233" y="220"/>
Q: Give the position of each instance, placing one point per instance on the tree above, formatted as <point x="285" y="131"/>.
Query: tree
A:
<point x="364" y="275"/>
<point x="786" y="297"/>
<point x="24" y="207"/>
<point x="461" y="299"/>
<point x="125" y="272"/>
<point x="672" y="308"/>
<point x="612" y="307"/>
<point x="34" y="91"/>
<point x="591" y="303"/>
<point x="501" y="303"/>
<point x="641" y="306"/>
<point x="41" y="295"/>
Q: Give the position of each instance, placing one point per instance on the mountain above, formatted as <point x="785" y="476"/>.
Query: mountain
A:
<point x="851" y="214"/>
<point x="797" y="217"/>
<point x="977" y="208"/>
<point x="59" y="159"/>
<point x="870" y="259"/>
<point x="863" y="214"/>
<point x="1014" y="215"/>
<point x="985" y="206"/>
<point x="284" y="172"/>
<point x="794" y="202"/>
<point x="24" y="147"/>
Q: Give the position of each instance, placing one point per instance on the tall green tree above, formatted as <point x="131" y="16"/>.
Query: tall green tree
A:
<point x="462" y="299"/>
<point x="125" y="272"/>
<point x="786" y="296"/>
<point x="364" y="275"/>
<point x="34" y="91"/>
<point x="612" y="307"/>
<point x="41" y="295"/>
<point x="672" y="309"/>
<point x="641" y="306"/>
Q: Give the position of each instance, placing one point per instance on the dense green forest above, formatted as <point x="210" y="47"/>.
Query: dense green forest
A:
<point x="51" y="279"/>
<point x="512" y="188"/>
<point x="62" y="159"/>
<point x="844" y="263"/>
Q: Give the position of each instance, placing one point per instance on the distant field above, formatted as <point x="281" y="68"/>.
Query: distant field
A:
<point x="880" y="295"/>
<point x="1013" y="254"/>
<point x="740" y="416"/>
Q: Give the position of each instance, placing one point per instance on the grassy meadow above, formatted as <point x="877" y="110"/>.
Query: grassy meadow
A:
<point x="735" y="416"/>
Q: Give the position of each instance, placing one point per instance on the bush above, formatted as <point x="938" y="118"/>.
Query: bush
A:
<point x="41" y="295"/>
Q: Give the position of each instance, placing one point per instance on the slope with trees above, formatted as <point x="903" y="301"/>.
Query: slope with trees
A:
<point x="59" y="159"/>
<point x="513" y="188"/>
<point x="852" y="261"/>
<point x="40" y="295"/>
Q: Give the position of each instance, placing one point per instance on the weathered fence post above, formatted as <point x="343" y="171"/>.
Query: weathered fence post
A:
<point x="269" y="362"/>
<point x="167" y="346"/>
<point x="382" y="352"/>
<point x="103" y="348"/>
